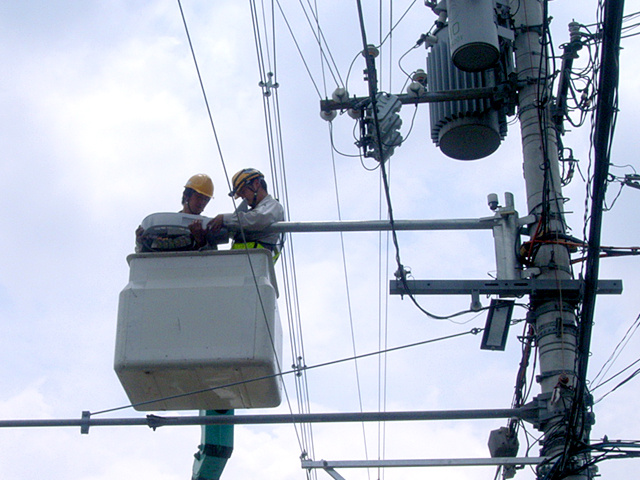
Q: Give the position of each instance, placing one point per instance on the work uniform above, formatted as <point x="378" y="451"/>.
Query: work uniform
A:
<point x="253" y="221"/>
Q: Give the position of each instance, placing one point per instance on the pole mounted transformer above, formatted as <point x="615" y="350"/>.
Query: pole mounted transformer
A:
<point x="473" y="34"/>
<point x="464" y="129"/>
<point x="466" y="55"/>
<point x="468" y="84"/>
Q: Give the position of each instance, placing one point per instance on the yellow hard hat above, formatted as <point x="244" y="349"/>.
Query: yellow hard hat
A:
<point x="201" y="183"/>
<point x="243" y="177"/>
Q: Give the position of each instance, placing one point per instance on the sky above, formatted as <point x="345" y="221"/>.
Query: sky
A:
<point x="103" y="121"/>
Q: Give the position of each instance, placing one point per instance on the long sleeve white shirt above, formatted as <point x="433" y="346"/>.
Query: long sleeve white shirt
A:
<point x="254" y="220"/>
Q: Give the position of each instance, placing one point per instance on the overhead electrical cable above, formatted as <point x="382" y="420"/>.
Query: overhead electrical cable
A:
<point x="623" y="382"/>
<point x="619" y="348"/>
<point x="273" y="129"/>
<point x="401" y="272"/>
<point x="184" y="21"/>
<point x="609" y="379"/>
<point x="348" y="297"/>
<point x="315" y="16"/>
<point x="383" y="321"/>
<point x="388" y="87"/>
<point x="204" y="94"/>
<point x="266" y="81"/>
<point x="383" y="297"/>
<point x="322" y="44"/>
<point x="604" y="126"/>
<point x="353" y="62"/>
<point x="295" y="41"/>
<point x="602" y="137"/>
<point x="221" y="156"/>
<point x="392" y="28"/>
<point x="633" y="375"/>
<point x="333" y="145"/>
<point x="316" y="28"/>
<point x="296" y="370"/>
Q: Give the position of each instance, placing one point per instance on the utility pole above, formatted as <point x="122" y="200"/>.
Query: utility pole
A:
<point x="563" y="406"/>
<point x="552" y="314"/>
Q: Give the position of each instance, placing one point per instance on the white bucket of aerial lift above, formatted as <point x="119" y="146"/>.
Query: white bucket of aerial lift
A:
<point x="194" y="321"/>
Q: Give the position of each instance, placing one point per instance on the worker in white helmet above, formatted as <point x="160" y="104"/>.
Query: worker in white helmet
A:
<point x="257" y="211"/>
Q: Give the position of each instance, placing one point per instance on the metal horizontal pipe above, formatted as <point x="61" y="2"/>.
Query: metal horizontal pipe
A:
<point x="434" y="462"/>
<point x="382" y="225"/>
<point x="155" y="421"/>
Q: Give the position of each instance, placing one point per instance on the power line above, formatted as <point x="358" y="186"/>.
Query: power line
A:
<point x="302" y="368"/>
<point x="204" y="94"/>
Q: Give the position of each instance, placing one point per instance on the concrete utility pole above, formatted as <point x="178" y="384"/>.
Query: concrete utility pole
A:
<point x="553" y="315"/>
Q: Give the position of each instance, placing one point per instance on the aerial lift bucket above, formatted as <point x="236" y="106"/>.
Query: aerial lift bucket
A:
<point x="200" y="331"/>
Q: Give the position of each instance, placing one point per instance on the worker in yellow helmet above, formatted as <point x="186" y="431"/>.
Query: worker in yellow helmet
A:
<point x="257" y="211"/>
<point x="196" y="195"/>
<point x="197" y="192"/>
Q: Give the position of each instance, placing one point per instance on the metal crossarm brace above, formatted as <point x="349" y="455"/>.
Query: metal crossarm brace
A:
<point x="515" y="288"/>
<point x="333" y="473"/>
<point x="427" y="97"/>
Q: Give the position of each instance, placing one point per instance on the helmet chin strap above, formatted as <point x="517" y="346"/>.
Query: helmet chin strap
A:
<point x="186" y="208"/>
<point x="254" y="201"/>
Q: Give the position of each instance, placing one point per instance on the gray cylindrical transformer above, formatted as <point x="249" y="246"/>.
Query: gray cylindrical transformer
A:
<point x="473" y="34"/>
<point x="463" y="129"/>
<point x="470" y="138"/>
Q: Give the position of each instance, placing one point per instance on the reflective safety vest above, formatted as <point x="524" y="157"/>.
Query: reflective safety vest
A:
<point x="246" y="245"/>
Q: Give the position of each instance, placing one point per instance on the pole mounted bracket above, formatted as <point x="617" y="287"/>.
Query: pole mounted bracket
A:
<point x="540" y="411"/>
<point x="85" y="422"/>
<point x="268" y="85"/>
<point x="154" y="421"/>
